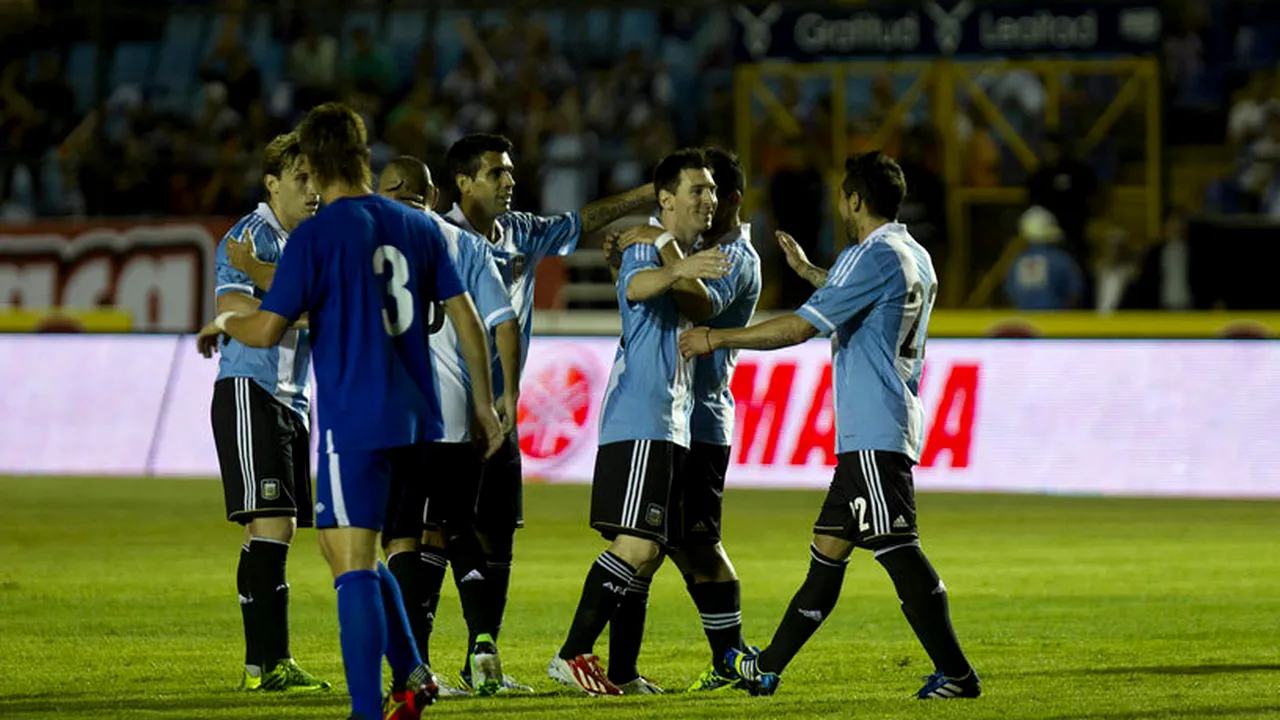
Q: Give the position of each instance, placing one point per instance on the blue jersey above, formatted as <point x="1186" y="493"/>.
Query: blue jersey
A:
<point x="470" y="255"/>
<point x="877" y="302"/>
<point x="733" y="302"/>
<point x="523" y="240"/>
<point x="648" y="396"/>
<point x="367" y="270"/>
<point x="1044" y="277"/>
<point x="281" y="370"/>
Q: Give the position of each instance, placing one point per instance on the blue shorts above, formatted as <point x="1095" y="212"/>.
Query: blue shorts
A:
<point x="354" y="488"/>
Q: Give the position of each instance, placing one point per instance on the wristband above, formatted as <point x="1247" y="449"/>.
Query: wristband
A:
<point x="663" y="240"/>
<point x="220" y="322"/>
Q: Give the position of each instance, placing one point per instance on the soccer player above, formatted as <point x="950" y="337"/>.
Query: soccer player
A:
<point x="366" y="270"/>
<point x="644" y="420"/>
<point x="447" y="512"/>
<point x="709" y="576"/>
<point x="482" y="173"/>
<point x="876" y="300"/>
<point x="260" y="416"/>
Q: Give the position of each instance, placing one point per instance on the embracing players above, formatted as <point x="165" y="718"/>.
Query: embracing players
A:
<point x="367" y="270"/>
<point x="876" y="301"/>
<point x="261" y="418"/>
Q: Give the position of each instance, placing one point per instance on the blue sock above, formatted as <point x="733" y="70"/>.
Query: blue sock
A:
<point x="362" y="624"/>
<point x="402" y="651"/>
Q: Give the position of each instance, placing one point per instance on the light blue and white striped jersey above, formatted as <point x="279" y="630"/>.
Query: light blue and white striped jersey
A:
<point x="733" y="300"/>
<point x="479" y="275"/>
<point x="281" y="370"/>
<point x="523" y="240"/>
<point x="649" y="395"/>
<point x="877" y="302"/>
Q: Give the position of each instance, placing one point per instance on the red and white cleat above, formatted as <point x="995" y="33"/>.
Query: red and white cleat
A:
<point x="582" y="673"/>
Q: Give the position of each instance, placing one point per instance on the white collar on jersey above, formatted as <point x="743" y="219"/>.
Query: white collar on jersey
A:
<point x="884" y="230"/>
<point x="264" y="211"/>
<point x="459" y="218"/>
<point x="656" y="221"/>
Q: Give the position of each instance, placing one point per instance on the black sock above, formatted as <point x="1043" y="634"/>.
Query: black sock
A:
<point x="248" y="613"/>
<point x="626" y="632"/>
<point x="924" y="602"/>
<point x="499" y="575"/>
<point x="270" y="594"/>
<point x="420" y="575"/>
<point x="720" y="605"/>
<point x="606" y="583"/>
<point x="470" y="576"/>
<point x="812" y="603"/>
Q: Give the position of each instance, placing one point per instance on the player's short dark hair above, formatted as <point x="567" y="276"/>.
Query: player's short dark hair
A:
<point x="334" y="139"/>
<point x="726" y="171"/>
<point x="467" y="155"/>
<point x="667" y="175"/>
<point x="879" y="180"/>
<point x="281" y="154"/>
<point x="415" y="177"/>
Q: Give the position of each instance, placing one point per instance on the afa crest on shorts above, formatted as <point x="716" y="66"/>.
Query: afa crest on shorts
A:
<point x="270" y="489"/>
<point x="653" y="515"/>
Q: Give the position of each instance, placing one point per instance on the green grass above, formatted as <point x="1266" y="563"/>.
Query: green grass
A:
<point x="117" y="599"/>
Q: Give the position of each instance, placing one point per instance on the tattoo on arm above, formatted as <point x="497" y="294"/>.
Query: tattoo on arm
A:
<point x="600" y="213"/>
<point x="816" y="276"/>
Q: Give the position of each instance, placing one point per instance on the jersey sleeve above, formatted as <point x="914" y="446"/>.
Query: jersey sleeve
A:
<point x="294" y="287"/>
<point x="724" y="291"/>
<point x="448" y="281"/>
<point x="853" y="285"/>
<point x="548" y="235"/>
<point x="226" y="278"/>
<point x="485" y="285"/>
<point x="636" y="258"/>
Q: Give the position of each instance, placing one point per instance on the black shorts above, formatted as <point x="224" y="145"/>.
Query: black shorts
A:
<point x="264" y="451"/>
<point x="443" y="495"/>
<point x="871" y="500"/>
<point x="634" y="491"/>
<point x="499" y="504"/>
<point x="701" y="484"/>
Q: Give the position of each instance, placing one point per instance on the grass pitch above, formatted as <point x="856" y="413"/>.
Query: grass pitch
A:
<point x="117" y="599"/>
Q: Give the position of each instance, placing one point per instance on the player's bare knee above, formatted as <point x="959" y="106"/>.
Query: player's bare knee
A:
<point x="635" y="551"/>
<point x="400" y="545"/>
<point x="279" y="529"/>
<point x="433" y="537"/>
<point x="708" y="564"/>
<point x="833" y="547"/>
<point x="349" y="549"/>
<point x="498" y="543"/>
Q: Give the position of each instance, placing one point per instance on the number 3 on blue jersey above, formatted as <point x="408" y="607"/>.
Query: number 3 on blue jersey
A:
<point x="396" y="291"/>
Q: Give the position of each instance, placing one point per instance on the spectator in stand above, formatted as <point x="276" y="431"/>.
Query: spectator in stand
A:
<point x="1043" y="276"/>
<point x="369" y="69"/>
<point x="1248" y="117"/>
<point x="231" y="65"/>
<point x="1066" y="187"/>
<point x="981" y="153"/>
<point x="1259" y="164"/>
<point x="1164" y="282"/>
<point x="796" y="195"/>
<point x="313" y="67"/>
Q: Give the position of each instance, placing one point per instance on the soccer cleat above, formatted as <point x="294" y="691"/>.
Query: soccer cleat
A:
<point x="287" y="676"/>
<point x="405" y="705"/>
<point x="940" y="687"/>
<point x="509" y="684"/>
<point x="744" y="664"/>
<point x="711" y="680"/>
<point x="485" y="666"/>
<point x="449" y="691"/>
<point x="640" y="686"/>
<point x="582" y="673"/>
<point x="250" y="682"/>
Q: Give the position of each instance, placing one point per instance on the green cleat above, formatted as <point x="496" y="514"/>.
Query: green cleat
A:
<point x="711" y="680"/>
<point x="287" y="676"/>
<point x="250" y="682"/>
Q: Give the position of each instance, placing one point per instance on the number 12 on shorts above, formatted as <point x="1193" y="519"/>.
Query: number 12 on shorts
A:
<point x="859" y="508"/>
<point x="396" y="291"/>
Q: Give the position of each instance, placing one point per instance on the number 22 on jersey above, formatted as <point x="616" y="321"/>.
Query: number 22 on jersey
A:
<point x="398" y="321"/>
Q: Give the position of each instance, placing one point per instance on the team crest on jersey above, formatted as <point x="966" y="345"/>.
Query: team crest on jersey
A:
<point x="270" y="489"/>
<point x="653" y="515"/>
<point x="517" y="265"/>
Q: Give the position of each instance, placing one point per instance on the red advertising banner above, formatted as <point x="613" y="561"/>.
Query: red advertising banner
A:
<point x="159" y="271"/>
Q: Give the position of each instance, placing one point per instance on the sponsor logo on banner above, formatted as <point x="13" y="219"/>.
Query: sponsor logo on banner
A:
<point x="934" y="27"/>
<point x="559" y="395"/>
<point x="160" y="273"/>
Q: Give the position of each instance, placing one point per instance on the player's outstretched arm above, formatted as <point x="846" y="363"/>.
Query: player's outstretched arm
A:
<point x="507" y="338"/>
<point x="596" y="215"/>
<point x="257" y="328"/>
<point x="706" y="265"/>
<point x="772" y="334"/>
<point x="799" y="261"/>
<point x="474" y="343"/>
<point x="240" y="253"/>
